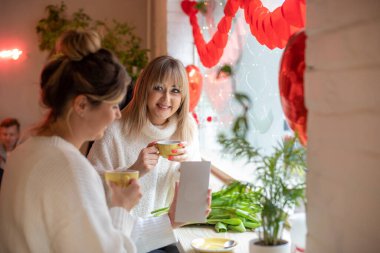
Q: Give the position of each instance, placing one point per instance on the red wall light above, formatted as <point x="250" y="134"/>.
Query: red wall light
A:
<point x="13" y="54"/>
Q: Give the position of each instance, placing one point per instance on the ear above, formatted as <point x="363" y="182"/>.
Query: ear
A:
<point x="80" y="105"/>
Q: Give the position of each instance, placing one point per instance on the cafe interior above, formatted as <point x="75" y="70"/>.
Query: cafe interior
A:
<point x="304" y="68"/>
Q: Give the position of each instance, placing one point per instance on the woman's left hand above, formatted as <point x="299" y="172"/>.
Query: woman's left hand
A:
<point x="181" y="153"/>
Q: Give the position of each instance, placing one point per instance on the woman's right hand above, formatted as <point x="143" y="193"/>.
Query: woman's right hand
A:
<point x="172" y="208"/>
<point x="126" y="197"/>
<point x="147" y="159"/>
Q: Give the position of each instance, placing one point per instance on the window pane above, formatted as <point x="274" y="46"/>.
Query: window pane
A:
<point x="255" y="73"/>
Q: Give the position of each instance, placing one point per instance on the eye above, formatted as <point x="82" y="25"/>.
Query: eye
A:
<point x="176" y="90"/>
<point x="158" y="88"/>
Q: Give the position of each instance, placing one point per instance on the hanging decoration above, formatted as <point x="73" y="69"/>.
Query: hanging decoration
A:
<point x="271" y="28"/>
<point x="219" y="82"/>
<point x="195" y="85"/>
<point x="291" y="81"/>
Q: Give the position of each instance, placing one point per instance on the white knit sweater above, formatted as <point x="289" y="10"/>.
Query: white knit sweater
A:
<point x="52" y="200"/>
<point x="116" y="149"/>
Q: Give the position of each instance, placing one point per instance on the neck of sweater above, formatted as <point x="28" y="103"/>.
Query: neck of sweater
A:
<point x="161" y="132"/>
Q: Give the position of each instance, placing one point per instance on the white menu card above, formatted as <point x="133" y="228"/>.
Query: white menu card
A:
<point x="192" y="192"/>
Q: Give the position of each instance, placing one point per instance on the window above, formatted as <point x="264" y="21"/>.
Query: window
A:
<point x="255" y="73"/>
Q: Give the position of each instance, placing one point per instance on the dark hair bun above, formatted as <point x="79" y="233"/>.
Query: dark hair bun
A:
<point x="77" y="44"/>
<point x="81" y="67"/>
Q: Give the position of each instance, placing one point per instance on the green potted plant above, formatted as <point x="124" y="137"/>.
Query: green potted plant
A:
<point x="118" y="37"/>
<point x="279" y="180"/>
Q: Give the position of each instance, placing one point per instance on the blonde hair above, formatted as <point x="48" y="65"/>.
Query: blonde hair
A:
<point x="160" y="70"/>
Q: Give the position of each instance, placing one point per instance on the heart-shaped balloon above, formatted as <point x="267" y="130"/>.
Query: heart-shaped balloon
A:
<point x="195" y="85"/>
<point x="291" y="81"/>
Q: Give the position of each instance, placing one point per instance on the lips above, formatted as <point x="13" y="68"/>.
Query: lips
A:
<point x="164" y="107"/>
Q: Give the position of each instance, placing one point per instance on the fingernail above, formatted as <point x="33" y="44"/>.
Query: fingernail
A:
<point x="170" y="157"/>
<point x="180" y="144"/>
<point x="174" y="151"/>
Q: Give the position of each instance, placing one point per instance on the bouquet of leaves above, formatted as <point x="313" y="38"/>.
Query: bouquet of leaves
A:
<point x="234" y="208"/>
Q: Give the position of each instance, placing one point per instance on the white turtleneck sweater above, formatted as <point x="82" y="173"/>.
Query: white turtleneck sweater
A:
<point x="116" y="149"/>
<point x="53" y="200"/>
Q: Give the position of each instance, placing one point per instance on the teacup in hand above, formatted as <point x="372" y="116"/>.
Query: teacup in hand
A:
<point x="121" y="178"/>
<point x="165" y="148"/>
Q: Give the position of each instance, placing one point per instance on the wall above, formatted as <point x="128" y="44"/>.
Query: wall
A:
<point x="19" y="90"/>
<point x="157" y="28"/>
<point x="342" y="95"/>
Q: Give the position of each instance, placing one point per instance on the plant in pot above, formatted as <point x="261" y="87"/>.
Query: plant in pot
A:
<point x="279" y="179"/>
<point x="118" y="37"/>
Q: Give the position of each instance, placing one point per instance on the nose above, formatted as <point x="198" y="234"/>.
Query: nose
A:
<point x="166" y="95"/>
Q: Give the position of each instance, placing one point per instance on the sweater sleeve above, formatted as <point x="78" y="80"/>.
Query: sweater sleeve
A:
<point x="152" y="233"/>
<point x="80" y="219"/>
<point x="89" y="234"/>
<point x="121" y="220"/>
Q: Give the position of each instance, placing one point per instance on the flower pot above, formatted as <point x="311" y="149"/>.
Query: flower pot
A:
<point x="256" y="247"/>
<point x="298" y="232"/>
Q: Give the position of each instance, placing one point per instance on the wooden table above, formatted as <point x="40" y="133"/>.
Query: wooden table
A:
<point x="186" y="234"/>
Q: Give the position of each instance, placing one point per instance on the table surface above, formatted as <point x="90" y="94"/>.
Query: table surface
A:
<point x="186" y="234"/>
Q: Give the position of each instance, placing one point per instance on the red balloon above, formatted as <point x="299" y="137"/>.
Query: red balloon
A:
<point x="291" y="82"/>
<point x="195" y="85"/>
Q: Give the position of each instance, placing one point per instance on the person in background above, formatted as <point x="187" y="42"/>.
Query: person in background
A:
<point x="9" y="133"/>
<point x="52" y="199"/>
<point x="9" y="136"/>
<point x="159" y="110"/>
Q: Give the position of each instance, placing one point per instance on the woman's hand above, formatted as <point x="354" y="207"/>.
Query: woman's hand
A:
<point x="147" y="159"/>
<point x="173" y="205"/>
<point x="181" y="153"/>
<point x="126" y="197"/>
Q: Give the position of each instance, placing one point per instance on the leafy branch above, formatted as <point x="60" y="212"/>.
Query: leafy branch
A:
<point x="237" y="145"/>
<point x="118" y="37"/>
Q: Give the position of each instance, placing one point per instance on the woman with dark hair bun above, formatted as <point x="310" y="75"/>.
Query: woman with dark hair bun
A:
<point x="52" y="199"/>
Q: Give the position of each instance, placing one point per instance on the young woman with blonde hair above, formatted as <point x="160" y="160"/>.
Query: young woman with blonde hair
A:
<point x="159" y="110"/>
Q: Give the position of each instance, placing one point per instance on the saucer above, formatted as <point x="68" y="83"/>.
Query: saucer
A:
<point x="213" y="244"/>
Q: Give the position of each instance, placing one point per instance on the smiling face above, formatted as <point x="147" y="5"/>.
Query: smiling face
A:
<point x="161" y="92"/>
<point x="164" y="99"/>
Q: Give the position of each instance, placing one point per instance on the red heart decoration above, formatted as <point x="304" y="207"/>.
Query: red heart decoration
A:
<point x="188" y="7"/>
<point x="195" y="85"/>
